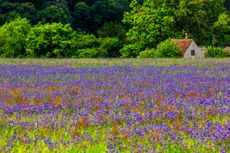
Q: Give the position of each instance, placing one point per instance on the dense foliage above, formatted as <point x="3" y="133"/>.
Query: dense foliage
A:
<point x="125" y="105"/>
<point x="217" y="52"/>
<point x="222" y="29"/>
<point x="138" y="25"/>
<point x="155" y="21"/>
<point x="89" y="15"/>
<point x="13" y="38"/>
<point x="50" y="40"/>
<point x="166" y="49"/>
<point x="20" y="39"/>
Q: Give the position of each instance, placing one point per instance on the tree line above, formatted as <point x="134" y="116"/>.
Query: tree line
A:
<point x="108" y="28"/>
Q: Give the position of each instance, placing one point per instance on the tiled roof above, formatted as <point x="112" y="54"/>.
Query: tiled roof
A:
<point x="183" y="43"/>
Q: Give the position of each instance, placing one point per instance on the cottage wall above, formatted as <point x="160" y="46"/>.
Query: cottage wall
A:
<point x="198" y="52"/>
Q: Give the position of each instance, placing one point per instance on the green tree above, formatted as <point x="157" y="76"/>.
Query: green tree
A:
<point x="85" y="40"/>
<point x="54" y="13"/>
<point x="109" y="47"/>
<point x="83" y="17"/>
<point x="197" y="17"/>
<point x="112" y="30"/>
<point x="150" y="23"/>
<point x="88" y="15"/>
<point x="86" y="46"/>
<point x="227" y="5"/>
<point x="10" y="11"/>
<point x="50" y="40"/>
<point x="222" y="30"/>
<point x="13" y="38"/>
<point x="91" y="15"/>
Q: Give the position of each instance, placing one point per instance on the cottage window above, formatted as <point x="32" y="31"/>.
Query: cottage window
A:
<point x="193" y="53"/>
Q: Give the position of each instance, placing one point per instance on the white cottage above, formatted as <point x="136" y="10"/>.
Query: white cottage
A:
<point x="189" y="48"/>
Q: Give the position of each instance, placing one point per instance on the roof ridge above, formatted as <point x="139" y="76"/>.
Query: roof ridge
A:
<point x="183" y="43"/>
<point x="182" y="39"/>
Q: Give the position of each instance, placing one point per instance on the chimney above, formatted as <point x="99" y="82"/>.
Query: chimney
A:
<point x="186" y="35"/>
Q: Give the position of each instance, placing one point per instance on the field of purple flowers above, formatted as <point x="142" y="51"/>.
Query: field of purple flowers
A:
<point x="115" y="106"/>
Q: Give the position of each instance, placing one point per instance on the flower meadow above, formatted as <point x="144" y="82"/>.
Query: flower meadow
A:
<point x="125" y="105"/>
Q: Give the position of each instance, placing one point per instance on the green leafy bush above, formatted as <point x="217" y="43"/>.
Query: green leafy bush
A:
<point x="216" y="52"/>
<point x="164" y="49"/>
<point x="110" y="47"/>
<point x="13" y="38"/>
<point x="85" y="40"/>
<point x="50" y="40"/>
<point x="167" y="49"/>
<point x="87" y="53"/>
<point x="131" y="50"/>
<point x="112" y="30"/>
<point x="149" y="53"/>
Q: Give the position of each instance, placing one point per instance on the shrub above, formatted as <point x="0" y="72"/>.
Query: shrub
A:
<point x="149" y="53"/>
<point x="131" y="50"/>
<point x="110" y="47"/>
<point x="88" y="53"/>
<point x="50" y="40"/>
<point x="85" y="40"/>
<point x="13" y="38"/>
<point x="216" y="52"/>
<point x="164" y="49"/>
<point x="112" y="30"/>
<point x="167" y="49"/>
